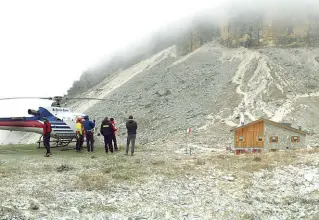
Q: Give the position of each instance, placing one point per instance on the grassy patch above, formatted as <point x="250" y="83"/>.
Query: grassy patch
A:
<point x="200" y="161"/>
<point x="246" y="216"/>
<point x="108" y="208"/>
<point x="158" y="162"/>
<point x="112" y="173"/>
<point x="257" y="159"/>
<point x="255" y="162"/>
<point x="107" y="170"/>
<point x="122" y="176"/>
<point x="64" y="167"/>
<point x="122" y="159"/>
<point x="97" y="173"/>
<point x="170" y="173"/>
<point x="3" y="172"/>
<point x="94" y="181"/>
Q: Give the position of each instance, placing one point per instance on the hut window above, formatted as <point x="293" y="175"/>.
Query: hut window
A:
<point x="274" y="139"/>
<point x="295" y="139"/>
<point x="241" y="138"/>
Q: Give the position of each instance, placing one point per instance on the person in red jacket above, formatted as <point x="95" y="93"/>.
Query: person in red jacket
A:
<point x="114" y="134"/>
<point x="46" y="136"/>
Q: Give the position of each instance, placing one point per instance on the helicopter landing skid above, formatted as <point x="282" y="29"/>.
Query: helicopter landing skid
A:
<point x="59" y="142"/>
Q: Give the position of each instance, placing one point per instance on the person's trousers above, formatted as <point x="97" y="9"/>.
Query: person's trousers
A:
<point x="89" y="141"/>
<point x="114" y="142"/>
<point x="130" y="139"/>
<point x="79" y="142"/>
<point x="46" y="142"/>
<point x="108" y="143"/>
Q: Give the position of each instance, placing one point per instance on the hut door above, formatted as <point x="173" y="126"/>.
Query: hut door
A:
<point x="250" y="138"/>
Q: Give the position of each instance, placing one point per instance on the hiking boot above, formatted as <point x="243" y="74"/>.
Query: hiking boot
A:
<point x="132" y="154"/>
<point x="47" y="155"/>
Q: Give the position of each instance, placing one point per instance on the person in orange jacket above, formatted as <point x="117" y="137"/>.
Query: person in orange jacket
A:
<point x="114" y="134"/>
<point x="79" y="134"/>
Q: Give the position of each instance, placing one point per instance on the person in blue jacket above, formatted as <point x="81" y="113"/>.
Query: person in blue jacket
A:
<point x="89" y="128"/>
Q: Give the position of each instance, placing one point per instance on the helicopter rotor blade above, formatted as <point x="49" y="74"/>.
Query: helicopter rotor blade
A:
<point x="10" y="98"/>
<point x="100" y="99"/>
<point x="87" y="98"/>
<point x="56" y="99"/>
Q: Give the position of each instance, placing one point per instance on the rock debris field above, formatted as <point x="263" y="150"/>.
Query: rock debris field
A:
<point x="158" y="183"/>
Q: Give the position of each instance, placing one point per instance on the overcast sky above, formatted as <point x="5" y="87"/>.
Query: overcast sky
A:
<point x="45" y="45"/>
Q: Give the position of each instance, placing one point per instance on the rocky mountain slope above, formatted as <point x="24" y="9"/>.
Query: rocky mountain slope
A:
<point x="208" y="90"/>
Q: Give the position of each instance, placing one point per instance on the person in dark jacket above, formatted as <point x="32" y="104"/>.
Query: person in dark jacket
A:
<point x="46" y="136"/>
<point x="107" y="131"/>
<point x="89" y="128"/>
<point x="131" y="127"/>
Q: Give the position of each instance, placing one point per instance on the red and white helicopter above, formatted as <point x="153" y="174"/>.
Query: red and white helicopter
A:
<point x="62" y="120"/>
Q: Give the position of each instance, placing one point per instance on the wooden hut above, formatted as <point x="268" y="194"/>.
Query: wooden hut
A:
<point x="264" y="134"/>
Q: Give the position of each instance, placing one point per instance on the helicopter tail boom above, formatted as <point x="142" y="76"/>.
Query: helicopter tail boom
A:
<point x="11" y="124"/>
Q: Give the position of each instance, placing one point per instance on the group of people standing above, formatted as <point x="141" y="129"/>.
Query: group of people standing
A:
<point x="85" y="128"/>
<point x="108" y="130"/>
